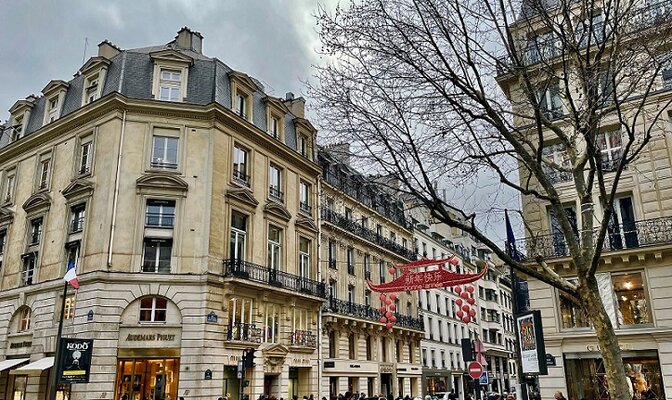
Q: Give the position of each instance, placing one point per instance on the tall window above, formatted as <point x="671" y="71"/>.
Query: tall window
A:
<point x="369" y="348"/>
<point x="35" y="233"/>
<point x="275" y="183"/>
<point x="28" y="271"/>
<point x="332" y="253"/>
<point x="24" y="321"/>
<point x="367" y="266"/>
<point x="559" y="243"/>
<point x="348" y="213"/>
<point x="85" y="158"/>
<point x="157" y="255"/>
<point x="3" y="241"/>
<point x="240" y="173"/>
<point x="611" y="149"/>
<point x="622" y="228"/>
<point x="304" y="198"/>
<point x="164" y="152"/>
<point x="77" y="217"/>
<point x="352" y="346"/>
<point x="44" y="174"/>
<point x="367" y="298"/>
<point x="160" y="213"/>
<point x="169" y="85"/>
<point x="271" y="323"/>
<point x="274" y="128"/>
<point x="9" y="186"/>
<point x="238" y="235"/>
<point x="332" y="344"/>
<point x="632" y="307"/>
<point x="304" y="258"/>
<point x="153" y="309"/>
<point x="351" y="293"/>
<point x="303" y="145"/>
<point x="550" y="101"/>
<point x="351" y="260"/>
<point x="557" y="155"/>
<point x="274" y="247"/>
<point x="241" y="106"/>
<point x="69" y="310"/>
<point x="381" y="270"/>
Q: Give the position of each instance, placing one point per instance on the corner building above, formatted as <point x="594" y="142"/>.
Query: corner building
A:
<point x="185" y="197"/>
<point x="364" y="232"/>
<point x="633" y="274"/>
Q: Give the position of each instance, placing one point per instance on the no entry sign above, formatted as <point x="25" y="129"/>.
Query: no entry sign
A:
<point x="475" y="369"/>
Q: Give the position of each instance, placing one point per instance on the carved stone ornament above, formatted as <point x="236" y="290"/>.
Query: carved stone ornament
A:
<point x="78" y="188"/>
<point x="243" y="195"/>
<point x="158" y="181"/>
<point x="274" y="358"/>
<point x="37" y="202"/>
<point x="277" y="209"/>
<point x="306" y="223"/>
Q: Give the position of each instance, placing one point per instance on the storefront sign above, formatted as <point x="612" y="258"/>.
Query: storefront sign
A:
<point x="75" y="363"/>
<point x="149" y="337"/>
<point x="531" y="343"/>
<point x="329" y="364"/>
<point x="300" y="362"/>
<point x="20" y="345"/>
<point x="621" y="346"/>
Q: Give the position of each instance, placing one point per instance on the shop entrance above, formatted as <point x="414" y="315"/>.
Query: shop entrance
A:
<point x="147" y="379"/>
<point x="231" y="383"/>
<point x="385" y="384"/>
<point x="271" y="386"/>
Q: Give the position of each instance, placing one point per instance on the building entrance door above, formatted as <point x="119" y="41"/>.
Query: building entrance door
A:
<point x="386" y="384"/>
<point x="147" y="379"/>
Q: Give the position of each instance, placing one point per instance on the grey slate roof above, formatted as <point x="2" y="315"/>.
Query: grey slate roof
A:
<point x="131" y="71"/>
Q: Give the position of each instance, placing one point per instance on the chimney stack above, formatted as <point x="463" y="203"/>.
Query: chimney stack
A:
<point x="189" y="40"/>
<point x="107" y="49"/>
<point x="296" y="105"/>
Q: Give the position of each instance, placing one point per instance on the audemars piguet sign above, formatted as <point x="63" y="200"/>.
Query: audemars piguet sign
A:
<point x="75" y="362"/>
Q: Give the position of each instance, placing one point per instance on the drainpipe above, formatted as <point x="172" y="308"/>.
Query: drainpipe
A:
<point x="116" y="191"/>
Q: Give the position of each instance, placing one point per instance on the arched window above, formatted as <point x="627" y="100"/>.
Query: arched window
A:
<point x="153" y="309"/>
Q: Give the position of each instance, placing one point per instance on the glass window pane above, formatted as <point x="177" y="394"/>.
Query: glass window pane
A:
<point x="630" y="294"/>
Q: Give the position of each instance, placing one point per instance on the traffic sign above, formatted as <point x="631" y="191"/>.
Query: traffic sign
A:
<point x="475" y="369"/>
<point x="483" y="379"/>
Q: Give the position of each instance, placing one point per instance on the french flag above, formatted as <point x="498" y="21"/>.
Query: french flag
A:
<point x="71" y="275"/>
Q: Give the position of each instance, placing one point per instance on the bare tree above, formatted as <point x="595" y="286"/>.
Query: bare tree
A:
<point x="442" y="90"/>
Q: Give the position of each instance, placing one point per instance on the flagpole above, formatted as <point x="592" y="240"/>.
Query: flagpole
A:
<point x="57" y="357"/>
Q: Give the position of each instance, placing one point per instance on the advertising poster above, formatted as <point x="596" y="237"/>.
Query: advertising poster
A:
<point x="75" y="362"/>
<point x="531" y="344"/>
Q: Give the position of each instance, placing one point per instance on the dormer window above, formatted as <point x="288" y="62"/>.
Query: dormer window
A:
<point x="274" y="129"/>
<point x="241" y="105"/>
<point x="302" y="146"/>
<point x="52" y="110"/>
<point x="17" y="129"/>
<point x="169" y="85"/>
<point x="91" y="89"/>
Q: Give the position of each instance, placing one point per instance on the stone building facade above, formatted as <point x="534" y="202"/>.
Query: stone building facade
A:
<point x="443" y="366"/>
<point x="186" y="197"/>
<point x="364" y="232"/>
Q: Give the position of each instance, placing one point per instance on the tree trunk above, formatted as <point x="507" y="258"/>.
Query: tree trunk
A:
<point x="606" y="338"/>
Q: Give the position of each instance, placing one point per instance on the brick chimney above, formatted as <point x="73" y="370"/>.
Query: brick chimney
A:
<point x="190" y="40"/>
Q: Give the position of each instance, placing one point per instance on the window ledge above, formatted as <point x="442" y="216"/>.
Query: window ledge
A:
<point x="20" y="334"/>
<point x="172" y="171"/>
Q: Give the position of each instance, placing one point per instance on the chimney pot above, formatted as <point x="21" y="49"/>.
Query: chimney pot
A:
<point x="289" y="96"/>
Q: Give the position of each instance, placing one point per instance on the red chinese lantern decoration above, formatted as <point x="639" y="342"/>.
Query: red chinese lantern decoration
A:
<point x="389" y="325"/>
<point x="393" y="319"/>
<point x="471" y="300"/>
<point x="388" y="314"/>
<point x="383" y="310"/>
<point x="383" y="319"/>
<point x="393" y="297"/>
<point x="454" y="261"/>
<point x="392" y="271"/>
<point x="458" y="302"/>
<point x="464" y="295"/>
<point x="382" y="297"/>
<point x="466" y="320"/>
<point x="465" y="308"/>
<point x="472" y="313"/>
<point x="458" y="289"/>
<point x="460" y="314"/>
<point x="393" y="307"/>
<point x="470" y="289"/>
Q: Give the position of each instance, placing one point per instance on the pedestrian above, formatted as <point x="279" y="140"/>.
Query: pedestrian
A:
<point x="558" y="396"/>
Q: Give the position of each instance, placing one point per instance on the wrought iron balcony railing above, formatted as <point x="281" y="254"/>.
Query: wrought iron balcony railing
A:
<point x="244" y="333"/>
<point x="241" y="177"/>
<point x="303" y="338"/>
<point x="305" y="208"/>
<point x="636" y="234"/>
<point x="357" y="229"/>
<point x="256" y="273"/>
<point x="362" y="311"/>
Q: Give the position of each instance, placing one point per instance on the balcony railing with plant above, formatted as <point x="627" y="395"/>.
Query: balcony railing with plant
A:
<point x="246" y="270"/>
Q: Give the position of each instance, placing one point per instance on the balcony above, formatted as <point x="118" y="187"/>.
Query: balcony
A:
<point x="643" y="233"/>
<point x="351" y="309"/>
<point x="159" y="220"/>
<point x="275" y="193"/>
<point x="240" y="332"/>
<point x="77" y="225"/>
<point x="303" y="339"/>
<point x="241" y="178"/>
<point x="305" y="208"/>
<point x="351" y="226"/>
<point x="351" y="269"/>
<point x="241" y="269"/>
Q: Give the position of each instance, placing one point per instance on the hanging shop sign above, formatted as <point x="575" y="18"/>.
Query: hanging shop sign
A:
<point x="75" y="364"/>
<point x="531" y="343"/>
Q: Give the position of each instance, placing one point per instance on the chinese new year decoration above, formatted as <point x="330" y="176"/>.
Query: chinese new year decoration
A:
<point x="434" y="275"/>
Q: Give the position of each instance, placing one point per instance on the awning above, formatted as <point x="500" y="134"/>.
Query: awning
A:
<point x="34" y="368"/>
<point x="7" y="364"/>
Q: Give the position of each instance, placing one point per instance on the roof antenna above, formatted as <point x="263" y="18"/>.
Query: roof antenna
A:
<point x="86" y="43"/>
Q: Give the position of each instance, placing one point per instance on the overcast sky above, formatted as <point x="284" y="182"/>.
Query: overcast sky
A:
<point x="272" y="40"/>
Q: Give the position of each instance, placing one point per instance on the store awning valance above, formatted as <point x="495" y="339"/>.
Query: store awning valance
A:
<point x="34" y="368"/>
<point x="7" y="364"/>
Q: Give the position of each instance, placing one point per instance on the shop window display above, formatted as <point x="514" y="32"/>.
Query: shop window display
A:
<point x="632" y="307"/>
<point x="586" y="378"/>
<point x="147" y="379"/>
